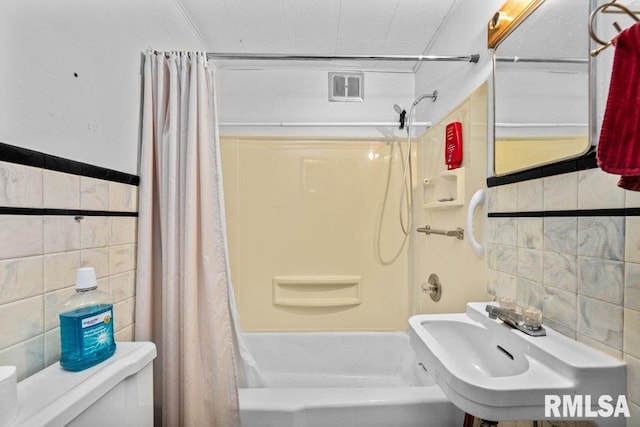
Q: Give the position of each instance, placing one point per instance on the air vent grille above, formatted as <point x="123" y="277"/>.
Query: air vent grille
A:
<point x="346" y="87"/>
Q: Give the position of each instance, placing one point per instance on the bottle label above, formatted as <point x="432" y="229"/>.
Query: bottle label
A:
<point x="97" y="331"/>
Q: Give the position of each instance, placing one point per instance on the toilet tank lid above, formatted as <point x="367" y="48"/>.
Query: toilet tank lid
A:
<point x="55" y="396"/>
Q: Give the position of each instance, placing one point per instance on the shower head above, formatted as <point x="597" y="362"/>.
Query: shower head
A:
<point x="433" y="97"/>
<point x="402" y="114"/>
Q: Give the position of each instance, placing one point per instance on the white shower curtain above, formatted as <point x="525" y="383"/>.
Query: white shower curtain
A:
<point x="183" y="280"/>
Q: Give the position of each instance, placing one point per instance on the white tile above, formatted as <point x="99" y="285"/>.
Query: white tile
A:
<point x="123" y="197"/>
<point x="507" y="259"/>
<point x="599" y="190"/>
<point x="632" y="332"/>
<point x="123" y="313"/>
<point x="20" y="186"/>
<point x="491" y="255"/>
<point x="61" y="234"/>
<point x="125" y="334"/>
<point x="123" y="285"/>
<point x="601" y="237"/>
<point x="20" y="320"/>
<point x="632" y="285"/>
<point x="122" y="258"/>
<point x="601" y="279"/>
<point x="560" y="270"/>
<point x="95" y="232"/>
<point x="51" y="347"/>
<point x="258" y="20"/>
<point x="94" y="194"/>
<point x="60" y="270"/>
<point x="560" y="306"/>
<point x="123" y="230"/>
<point x="377" y="14"/>
<point x="507" y="198"/>
<point x="561" y="192"/>
<point x="491" y="281"/>
<point x="530" y="234"/>
<point x="505" y="231"/>
<point x="561" y="235"/>
<point x="600" y="321"/>
<point x="406" y="27"/>
<point x="633" y="378"/>
<point x="506" y="285"/>
<point x="560" y="328"/>
<point x="20" y="278"/>
<point x="98" y="259"/>
<point x="104" y="285"/>
<point x="632" y="239"/>
<point x="20" y="236"/>
<point x="530" y="195"/>
<point x="61" y="190"/>
<point x="530" y="294"/>
<point x="310" y="18"/>
<point x="634" y="408"/>
<point x="27" y="356"/>
<point x="599" y="346"/>
<point x="492" y="199"/>
<point x="53" y="306"/>
<point x="530" y="262"/>
<point x="632" y="199"/>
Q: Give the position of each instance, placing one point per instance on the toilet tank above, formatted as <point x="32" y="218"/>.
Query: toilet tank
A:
<point x="118" y="391"/>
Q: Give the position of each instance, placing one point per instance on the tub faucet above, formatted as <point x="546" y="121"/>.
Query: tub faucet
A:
<point x="516" y="320"/>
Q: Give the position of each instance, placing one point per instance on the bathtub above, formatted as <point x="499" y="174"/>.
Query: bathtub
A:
<point x="324" y="379"/>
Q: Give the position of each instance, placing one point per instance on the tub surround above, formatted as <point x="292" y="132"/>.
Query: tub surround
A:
<point x="43" y="245"/>
<point x="569" y="245"/>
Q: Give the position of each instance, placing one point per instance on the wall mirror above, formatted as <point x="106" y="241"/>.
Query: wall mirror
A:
<point x="542" y="88"/>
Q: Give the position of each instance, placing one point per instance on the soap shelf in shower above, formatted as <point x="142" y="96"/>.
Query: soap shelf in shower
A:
<point x="317" y="291"/>
<point x="445" y="190"/>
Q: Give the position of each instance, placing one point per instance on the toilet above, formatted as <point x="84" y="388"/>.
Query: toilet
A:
<point x="118" y="391"/>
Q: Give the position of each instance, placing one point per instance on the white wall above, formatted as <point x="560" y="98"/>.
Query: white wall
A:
<point x="300" y="95"/>
<point x="94" y="117"/>
<point x="464" y="32"/>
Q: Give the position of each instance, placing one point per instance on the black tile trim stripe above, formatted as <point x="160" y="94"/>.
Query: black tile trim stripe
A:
<point x="23" y="156"/>
<point x="61" y="212"/>
<point x="569" y="213"/>
<point x="588" y="161"/>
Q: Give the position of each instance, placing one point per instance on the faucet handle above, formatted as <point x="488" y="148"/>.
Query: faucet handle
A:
<point x="507" y="303"/>
<point x="532" y="317"/>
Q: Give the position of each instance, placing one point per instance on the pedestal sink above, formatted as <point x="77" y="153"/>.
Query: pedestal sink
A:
<point x="497" y="373"/>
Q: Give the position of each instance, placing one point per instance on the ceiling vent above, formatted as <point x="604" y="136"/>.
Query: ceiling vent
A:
<point x="346" y="87"/>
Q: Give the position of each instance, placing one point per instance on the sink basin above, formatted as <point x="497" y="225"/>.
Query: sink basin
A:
<point x="497" y="373"/>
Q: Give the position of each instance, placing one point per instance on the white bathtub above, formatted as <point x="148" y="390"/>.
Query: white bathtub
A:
<point x="323" y="379"/>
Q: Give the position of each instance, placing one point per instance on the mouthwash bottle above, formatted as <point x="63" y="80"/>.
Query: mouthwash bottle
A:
<point x="86" y="324"/>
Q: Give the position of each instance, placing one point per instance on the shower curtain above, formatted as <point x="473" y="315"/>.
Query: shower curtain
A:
<point x="184" y="296"/>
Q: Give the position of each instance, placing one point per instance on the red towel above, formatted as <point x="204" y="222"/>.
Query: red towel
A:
<point x="619" y="143"/>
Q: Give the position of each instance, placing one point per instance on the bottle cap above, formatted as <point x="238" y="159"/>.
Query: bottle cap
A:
<point x="86" y="278"/>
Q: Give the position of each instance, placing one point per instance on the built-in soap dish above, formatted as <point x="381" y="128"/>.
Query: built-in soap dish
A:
<point x="445" y="190"/>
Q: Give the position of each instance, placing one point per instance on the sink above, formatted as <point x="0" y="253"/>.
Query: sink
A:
<point x="497" y="373"/>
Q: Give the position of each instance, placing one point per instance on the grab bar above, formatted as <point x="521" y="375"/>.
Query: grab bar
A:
<point x="458" y="233"/>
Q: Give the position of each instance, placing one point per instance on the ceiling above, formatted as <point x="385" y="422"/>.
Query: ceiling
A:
<point x="319" y="27"/>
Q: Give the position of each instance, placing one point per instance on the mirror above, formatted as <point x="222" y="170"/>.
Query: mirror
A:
<point x="541" y="88"/>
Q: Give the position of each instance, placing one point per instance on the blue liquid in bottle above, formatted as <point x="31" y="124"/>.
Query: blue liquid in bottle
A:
<point x="86" y="325"/>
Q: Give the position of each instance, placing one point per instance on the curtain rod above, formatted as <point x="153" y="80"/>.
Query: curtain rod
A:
<point x="320" y="124"/>
<point x="271" y="56"/>
<point x="542" y="60"/>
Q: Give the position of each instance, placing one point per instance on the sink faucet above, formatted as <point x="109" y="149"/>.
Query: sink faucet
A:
<point x="510" y="317"/>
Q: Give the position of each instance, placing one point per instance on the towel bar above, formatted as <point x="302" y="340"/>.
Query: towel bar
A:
<point x="458" y="233"/>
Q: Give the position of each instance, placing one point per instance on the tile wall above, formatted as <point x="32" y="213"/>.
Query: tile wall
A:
<point x="39" y="255"/>
<point x="582" y="271"/>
